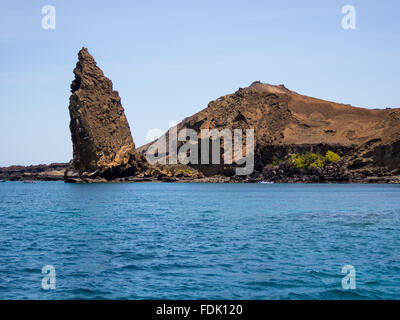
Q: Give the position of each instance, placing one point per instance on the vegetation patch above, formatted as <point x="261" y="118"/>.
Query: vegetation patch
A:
<point x="311" y="160"/>
<point x="331" y="157"/>
<point x="185" y="172"/>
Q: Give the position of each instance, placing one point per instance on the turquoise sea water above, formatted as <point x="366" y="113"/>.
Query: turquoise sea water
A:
<point x="199" y="241"/>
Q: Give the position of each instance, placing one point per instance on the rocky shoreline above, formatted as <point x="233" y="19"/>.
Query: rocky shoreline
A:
<point x="331" y="174"/>
<point x="42" y="172"/>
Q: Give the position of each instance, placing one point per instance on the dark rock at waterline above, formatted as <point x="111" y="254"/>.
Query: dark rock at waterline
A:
<point x="42" y="172"/>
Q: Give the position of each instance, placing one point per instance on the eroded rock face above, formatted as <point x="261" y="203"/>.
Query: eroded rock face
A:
<point x="101" y="137"/>
<point x="286" y="122"/>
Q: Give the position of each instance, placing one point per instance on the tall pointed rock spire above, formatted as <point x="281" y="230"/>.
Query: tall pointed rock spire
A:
<point x="101" y="137"/>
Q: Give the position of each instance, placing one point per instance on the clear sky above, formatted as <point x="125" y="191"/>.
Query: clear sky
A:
<point x="168" y="59"/>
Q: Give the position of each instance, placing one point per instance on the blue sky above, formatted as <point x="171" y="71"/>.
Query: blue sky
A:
<point x="168" y="59"/>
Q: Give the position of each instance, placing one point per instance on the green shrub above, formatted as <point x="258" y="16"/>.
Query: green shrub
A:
<point x="185" y="171"/>
<point x="331" y="156"/>
<point x="310" y="160"/>
<point x="307" y="160"/>
<point x="318" y="163"/>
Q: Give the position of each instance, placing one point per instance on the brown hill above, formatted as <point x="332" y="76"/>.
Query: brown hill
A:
<point x="286" y="122"/>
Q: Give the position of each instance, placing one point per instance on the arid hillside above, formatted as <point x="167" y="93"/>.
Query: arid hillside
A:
<point x="286" y="122"/>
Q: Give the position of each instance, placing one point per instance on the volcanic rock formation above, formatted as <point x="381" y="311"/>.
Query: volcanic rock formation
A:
<point x="103" y="148"/>
<point x="286" y="122"/>
<point x="101" y="137"/>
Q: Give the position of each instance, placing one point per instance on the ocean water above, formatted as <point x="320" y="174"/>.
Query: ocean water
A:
<point x="199" y="241"/>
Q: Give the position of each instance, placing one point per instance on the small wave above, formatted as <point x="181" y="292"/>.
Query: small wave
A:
<point x="172" y="266"/>
<point x="339" y="294"/>
<point x="208" y="211"/>
<point x="86" y="293"/>
<point x="127" y="267"/>
<point x="319" y="274"/>
<point x="31" y="270"/>
<point x="272" y="283"/>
